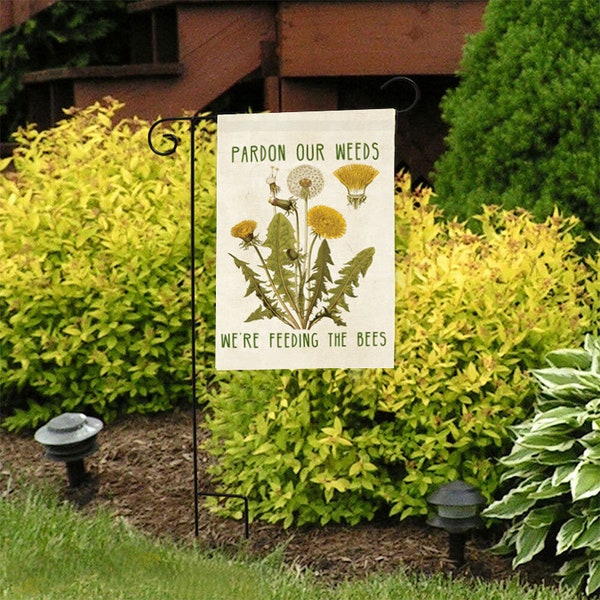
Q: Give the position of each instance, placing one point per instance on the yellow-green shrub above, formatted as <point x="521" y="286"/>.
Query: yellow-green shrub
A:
<point x="94" y="255"/>
<point x="94" y="316"/>
<point x="473" y="314"/>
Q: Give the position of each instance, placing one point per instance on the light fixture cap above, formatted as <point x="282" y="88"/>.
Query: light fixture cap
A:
<point x="456" y="494"/>
<point x="457" y="504"/>
<point x="68" y="429"/>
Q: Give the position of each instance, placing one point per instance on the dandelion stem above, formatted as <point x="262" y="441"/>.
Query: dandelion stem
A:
<point x="312" y="301"/>
<point x="298" y="250"/>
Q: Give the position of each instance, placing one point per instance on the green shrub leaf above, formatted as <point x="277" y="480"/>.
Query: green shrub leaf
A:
<point x="94" y="290"/>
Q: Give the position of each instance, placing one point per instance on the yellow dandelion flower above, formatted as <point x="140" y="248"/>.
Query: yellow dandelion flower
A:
<point x="326" y="222"/>
<point x="356" y="178"/>
<point x="244" y="230"/>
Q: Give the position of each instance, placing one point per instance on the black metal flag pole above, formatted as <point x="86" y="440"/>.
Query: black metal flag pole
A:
<point x="174" y="143"/>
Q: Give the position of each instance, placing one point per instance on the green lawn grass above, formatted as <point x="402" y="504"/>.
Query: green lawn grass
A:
<point x="49" y="551"/>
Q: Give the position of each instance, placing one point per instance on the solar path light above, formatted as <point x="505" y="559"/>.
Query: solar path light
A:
<point x="457" y="507"/>
<point x="70" y="438"/>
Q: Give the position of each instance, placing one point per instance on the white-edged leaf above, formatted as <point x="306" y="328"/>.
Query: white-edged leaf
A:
<point x="548" y="490"/>
<point x="589" y="535"/>
<point x="566" y="416"/>
<point x="577" y="358"/>
<point x="558" y="458"/>
<point x="573" y="572"/>
<point x="593" y="582"/>
<point x="592" y="345"/>
<point x="513" y="504"/>
<point x="568" y="383"/>
<point x="591" y="454"/>
<point x="585" y="482"/>
<point x="518" y="455"/>
<point x="569" y="532"/>
<point x="543" y="516"/>
<point x="563" y="474"/>
<point x="591" y="439"/>
<point x="529" y="471"/>
<point x="549" y="440"/>
<point x="529" y="542"/>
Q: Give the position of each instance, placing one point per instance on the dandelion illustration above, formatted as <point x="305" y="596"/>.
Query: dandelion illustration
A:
<point x="244" y="230"/>
<point x="356" y="178"/>
<point x="305" y="181"/>
<point x="326" y="222"/>
<point x="293" y="280"/>
<point x="272" y="182"/>
<point x="286" y="205"/>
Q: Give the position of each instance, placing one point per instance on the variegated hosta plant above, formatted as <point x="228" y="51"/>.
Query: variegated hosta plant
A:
<point x="555" y="464"/>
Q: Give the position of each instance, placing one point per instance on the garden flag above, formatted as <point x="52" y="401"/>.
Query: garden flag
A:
<point x="305" y="240"/>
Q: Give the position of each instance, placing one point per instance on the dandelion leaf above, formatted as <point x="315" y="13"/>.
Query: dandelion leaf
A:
<point x="256" y="286"/>
<point x="348" y="281"/>
<point x="320" y="276"/>
<point x="281" y="239"/>
<point x="259" y="314"/>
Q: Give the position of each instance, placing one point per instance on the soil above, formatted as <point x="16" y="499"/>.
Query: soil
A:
<point x="143" y="473"/>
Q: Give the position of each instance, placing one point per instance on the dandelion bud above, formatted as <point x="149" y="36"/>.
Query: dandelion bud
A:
<point x="283" y="204"/>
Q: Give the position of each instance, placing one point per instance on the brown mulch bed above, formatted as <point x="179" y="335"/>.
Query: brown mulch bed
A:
<point x="143" y="472"/>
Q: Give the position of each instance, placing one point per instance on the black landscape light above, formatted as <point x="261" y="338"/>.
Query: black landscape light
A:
<point x="69" y="438"/>
<point x="457" y="511"/>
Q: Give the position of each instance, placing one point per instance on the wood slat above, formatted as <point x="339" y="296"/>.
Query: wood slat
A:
<point x="223" y="44"/>
<point x="375" y="38"/>
<point x="15" y="12"/>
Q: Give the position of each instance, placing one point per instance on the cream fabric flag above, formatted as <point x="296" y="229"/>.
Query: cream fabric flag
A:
<point x="305" y="240"/>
